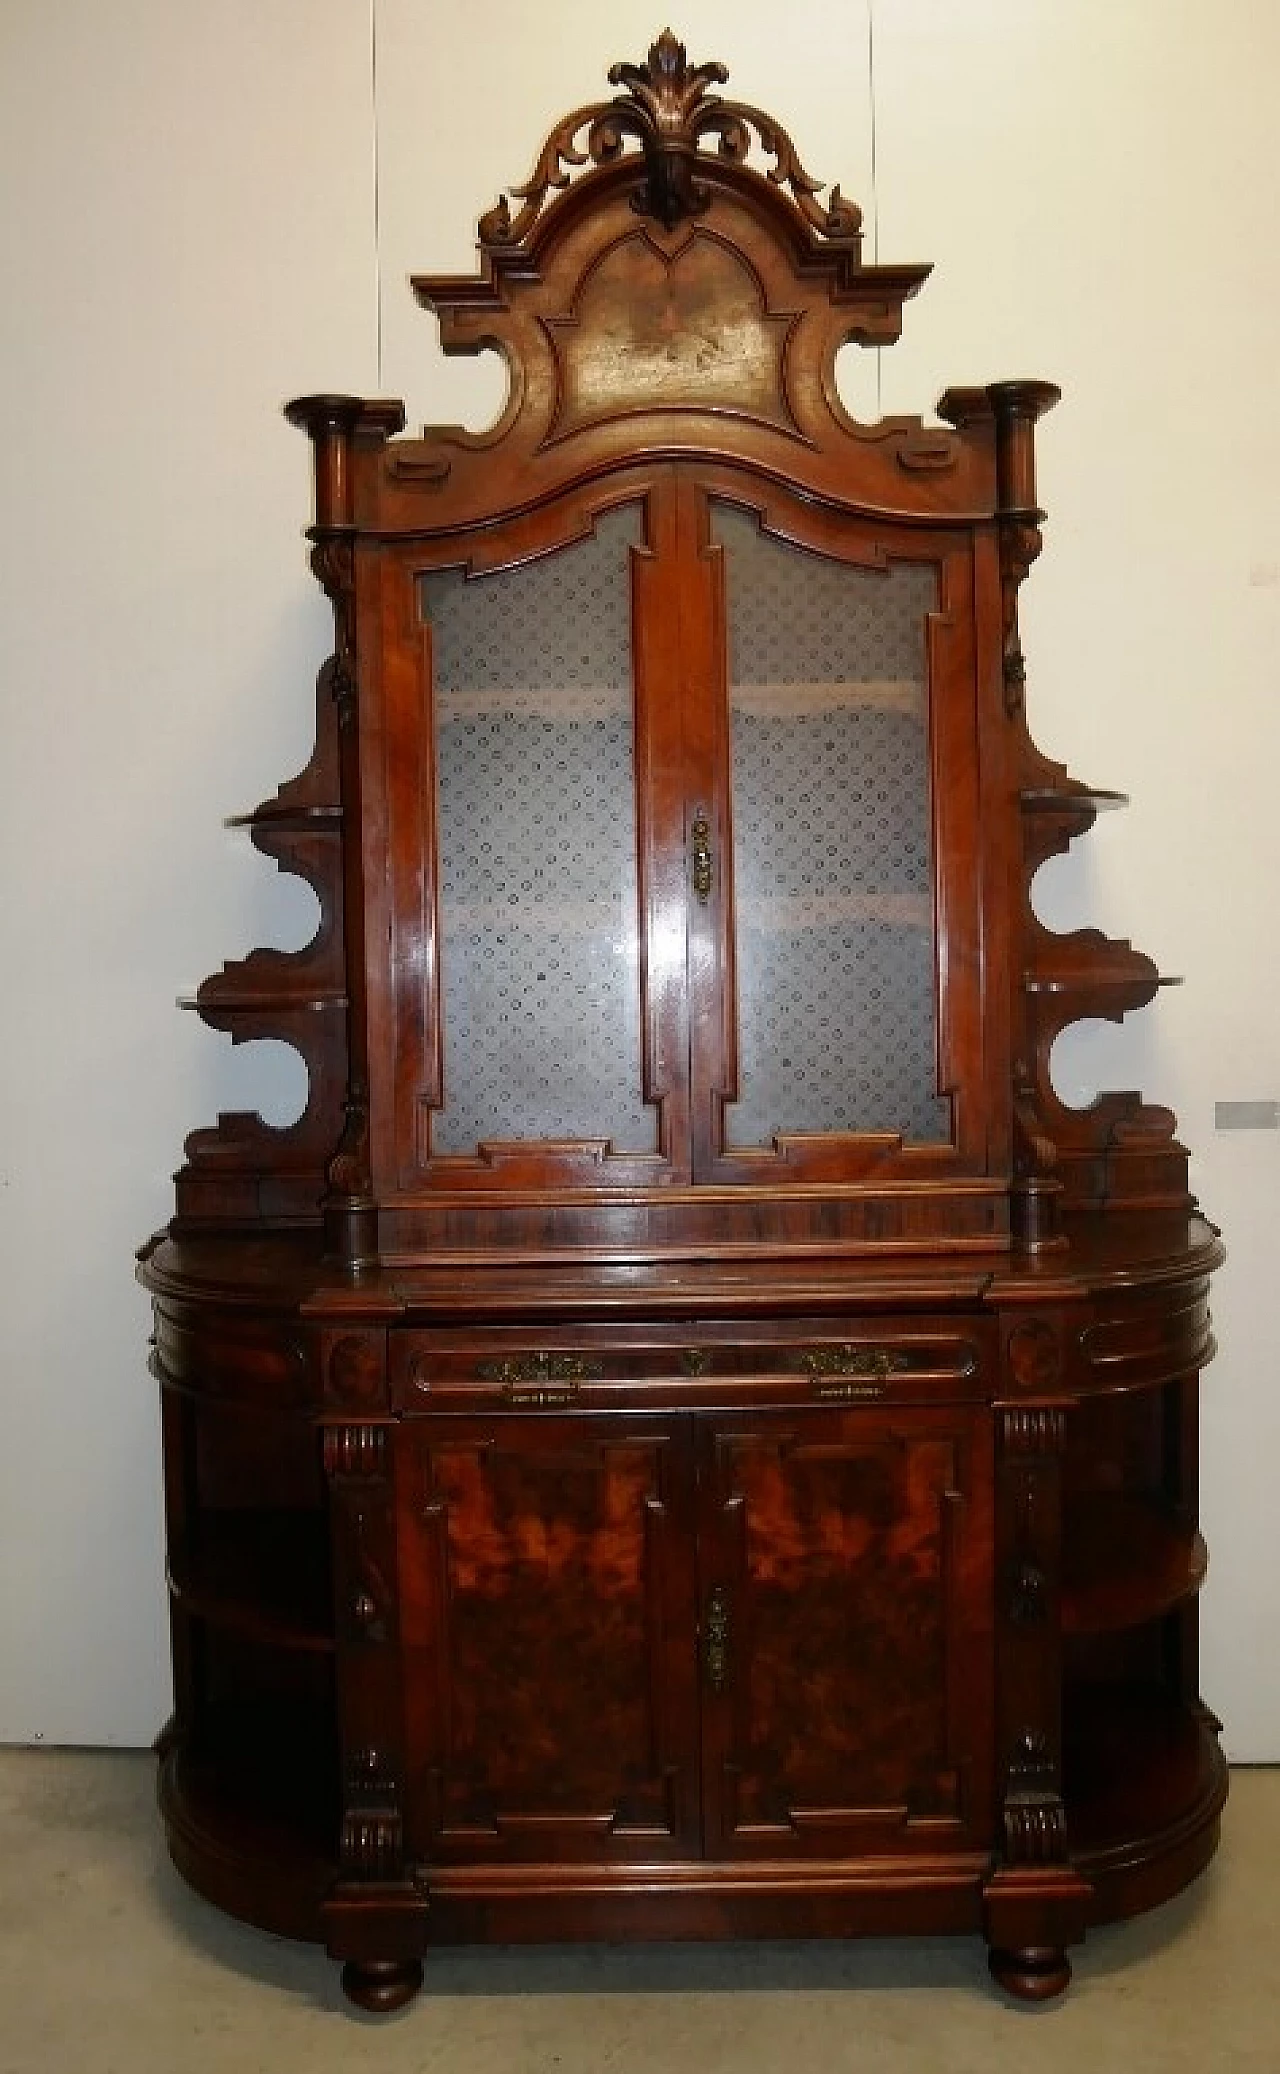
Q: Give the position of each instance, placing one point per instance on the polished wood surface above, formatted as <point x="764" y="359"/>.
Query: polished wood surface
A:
<point x="568" y="1540"/>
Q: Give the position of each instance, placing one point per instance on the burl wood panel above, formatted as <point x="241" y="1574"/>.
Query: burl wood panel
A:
<point x="856" y="1677"/>
<point x="547" y="1617"/>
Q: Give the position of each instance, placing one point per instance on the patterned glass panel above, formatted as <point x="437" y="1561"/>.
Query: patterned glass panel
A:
<point x="837" y="1016"/>
<point x="540" y="965"/>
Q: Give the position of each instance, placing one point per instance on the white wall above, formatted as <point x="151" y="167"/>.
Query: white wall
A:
<point x="186" y="241"/>
<point x="189" y="239"/>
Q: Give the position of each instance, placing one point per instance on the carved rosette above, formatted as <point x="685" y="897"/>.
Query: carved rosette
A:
<point x="1034" y="1354"/>
<point x="668" y="113"/>
<point x="354" y="1370"/>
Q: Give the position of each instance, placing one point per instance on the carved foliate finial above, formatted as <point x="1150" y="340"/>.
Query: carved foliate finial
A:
<point x="670" y="113"/>
<point x="665" y="96"/>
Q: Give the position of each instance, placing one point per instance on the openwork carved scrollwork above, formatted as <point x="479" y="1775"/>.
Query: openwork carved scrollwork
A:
<point x="668" y="111"/>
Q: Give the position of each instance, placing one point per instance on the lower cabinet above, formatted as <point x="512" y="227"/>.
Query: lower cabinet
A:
<point x="702" y="1635"/>
<point x="797" y="1626"/>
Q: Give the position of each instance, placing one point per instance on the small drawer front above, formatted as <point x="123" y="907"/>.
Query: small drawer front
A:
<point x="817" y="1361"/>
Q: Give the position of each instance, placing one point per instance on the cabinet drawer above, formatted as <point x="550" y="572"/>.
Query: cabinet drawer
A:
<point x="815" y="1361"/>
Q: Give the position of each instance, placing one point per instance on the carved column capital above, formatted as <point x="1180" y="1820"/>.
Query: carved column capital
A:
<point x="355" y="1449"/>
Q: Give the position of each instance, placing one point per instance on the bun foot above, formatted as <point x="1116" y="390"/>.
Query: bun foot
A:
<point x="1034" y="1972"/>
<point x="381" y="1985"/>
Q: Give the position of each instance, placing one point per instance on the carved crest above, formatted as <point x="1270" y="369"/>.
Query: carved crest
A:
<point x="670" y="115"/>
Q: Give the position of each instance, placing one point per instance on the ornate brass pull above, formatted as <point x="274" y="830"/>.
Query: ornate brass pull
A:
<point x="715" y="1640"/>
<point x="702" y="857"/>
<point x="540" y="1381"/>
<point x="864" y="1371"/>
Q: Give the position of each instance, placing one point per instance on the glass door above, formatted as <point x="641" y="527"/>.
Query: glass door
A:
<point x="552" y="999"/>
<point x="817" y="1037"/>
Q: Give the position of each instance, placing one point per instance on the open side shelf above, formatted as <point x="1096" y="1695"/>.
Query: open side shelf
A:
<point x="1144" y="1781"/>
<point x="252" y="1815"/>
<point x="1128" y="1558"/>
<point x="263" y="1572"/>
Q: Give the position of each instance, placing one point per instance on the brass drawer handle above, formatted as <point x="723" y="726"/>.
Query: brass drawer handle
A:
<point x="540" y="1382"/>
<point x="702" y="857"/>
<point x="715" y="1641"/>
<point x="863" y="1372"/>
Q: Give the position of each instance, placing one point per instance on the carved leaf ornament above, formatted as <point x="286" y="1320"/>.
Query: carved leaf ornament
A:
<point x="668" y="111"/>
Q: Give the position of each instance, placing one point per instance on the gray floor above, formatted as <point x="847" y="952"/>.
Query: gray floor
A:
<point x="108" y="1965"/>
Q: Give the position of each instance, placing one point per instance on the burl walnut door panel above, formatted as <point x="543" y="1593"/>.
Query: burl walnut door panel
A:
<point x="548" y="1624"/>
<point x="845" y="1632"/>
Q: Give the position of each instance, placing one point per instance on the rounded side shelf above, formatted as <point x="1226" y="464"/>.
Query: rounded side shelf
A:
<point x="262" y="1571"/>
<point x="257" y="1846"/>
<point x="1127" y="1559"/>
<point x="1144" y="1782"/>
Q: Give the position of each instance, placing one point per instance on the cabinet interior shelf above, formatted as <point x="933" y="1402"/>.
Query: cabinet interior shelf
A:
<point x="1128" y="1559"/>
<point x="778" y="913"/>
<point x="582" y="704"/>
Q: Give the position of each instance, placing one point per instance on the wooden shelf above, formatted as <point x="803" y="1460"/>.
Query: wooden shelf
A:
<point x="263" y="1573"/>
<point x="229" y="1000"/>
<point x="1126" y="1559"/>
<point x="800" y="700"/>
<point x="290" y="820"/>
<point x="1143" y="1780"/>
<point x="1095" y="981"/>
<point x="1065" y="800"/>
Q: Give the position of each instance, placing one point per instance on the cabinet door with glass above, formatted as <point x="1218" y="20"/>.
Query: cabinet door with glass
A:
<point x="834" y="672"/>
<point x="690" y="879"/>
<point x="541" y="1030"/>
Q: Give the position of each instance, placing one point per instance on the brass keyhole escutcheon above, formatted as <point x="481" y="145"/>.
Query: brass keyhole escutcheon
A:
<point x="701" y="857"/>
